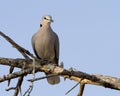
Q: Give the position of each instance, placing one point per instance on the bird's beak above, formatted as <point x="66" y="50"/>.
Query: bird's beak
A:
<point x="52" y="20"/>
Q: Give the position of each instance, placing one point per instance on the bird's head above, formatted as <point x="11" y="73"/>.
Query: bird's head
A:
<point x="47" y="19"/>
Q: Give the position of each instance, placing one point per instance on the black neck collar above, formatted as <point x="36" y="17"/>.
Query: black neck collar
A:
<point x="40" y="25"/>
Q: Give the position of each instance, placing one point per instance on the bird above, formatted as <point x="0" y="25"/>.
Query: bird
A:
<point x="45" y="45"/>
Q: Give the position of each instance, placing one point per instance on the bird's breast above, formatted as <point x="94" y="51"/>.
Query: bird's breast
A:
<point x="45" y="46"/>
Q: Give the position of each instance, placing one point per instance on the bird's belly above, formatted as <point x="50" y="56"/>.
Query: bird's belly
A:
<point x="45" y="50"/>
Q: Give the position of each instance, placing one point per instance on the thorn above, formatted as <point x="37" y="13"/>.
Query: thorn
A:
<point x="72" y="88"/>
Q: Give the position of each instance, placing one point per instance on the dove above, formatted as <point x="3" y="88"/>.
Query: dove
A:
<point x="45" y="44"/>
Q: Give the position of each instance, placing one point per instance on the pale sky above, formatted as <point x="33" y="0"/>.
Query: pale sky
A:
<point x="89" y="33"/>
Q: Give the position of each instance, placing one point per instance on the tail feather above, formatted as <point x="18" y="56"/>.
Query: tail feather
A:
<point x="53" y="80"/>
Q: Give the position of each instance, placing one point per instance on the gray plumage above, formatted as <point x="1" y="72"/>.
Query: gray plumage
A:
<point x="45" y="44"/>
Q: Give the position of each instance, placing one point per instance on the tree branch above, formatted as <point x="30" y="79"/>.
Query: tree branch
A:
<point x="22" y="50"/>
<point x="101" y="80"/>
<point x="25" y="54"/>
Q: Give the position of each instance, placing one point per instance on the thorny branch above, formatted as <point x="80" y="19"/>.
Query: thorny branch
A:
<point x="40" y="66"/>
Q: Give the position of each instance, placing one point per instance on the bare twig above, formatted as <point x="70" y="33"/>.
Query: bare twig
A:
<point x="10" y="71"/>
<point x="47" y="76"/>
<point x="82" y="86"/>
<point x="22" y="50"/>
<point x="29" y="90"/>
<point x="15" y="75"/>
<point x="18" y="87"/>
<point x="11" y="88"/>
<point x="72" y="88"/>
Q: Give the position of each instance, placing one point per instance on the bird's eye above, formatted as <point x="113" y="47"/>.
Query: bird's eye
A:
<point x="45" y="18"/>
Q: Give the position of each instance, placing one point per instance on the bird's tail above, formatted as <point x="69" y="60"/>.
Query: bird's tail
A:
<point x="53" y="79"/>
